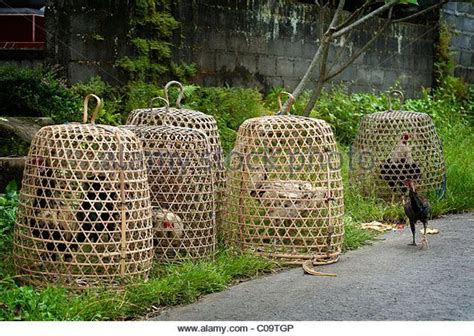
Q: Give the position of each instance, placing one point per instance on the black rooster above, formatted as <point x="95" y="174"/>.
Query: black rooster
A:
<point x="416" y="209"/>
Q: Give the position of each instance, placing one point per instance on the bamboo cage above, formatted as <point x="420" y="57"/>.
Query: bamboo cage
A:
<point x="284" y="189"/>
<point x="181" y="117"/>
<point x="84" y="217"/>
<point x="394" y="146"/>
<point x="182" y="191"/>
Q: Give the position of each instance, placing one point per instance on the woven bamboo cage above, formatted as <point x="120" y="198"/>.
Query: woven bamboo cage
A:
<point x="84" y="217"/>
<point x="394" y="146"/>
<point x="284" y="189"/>
<point x="182" y="191"/>
<point x="181" y="117"/>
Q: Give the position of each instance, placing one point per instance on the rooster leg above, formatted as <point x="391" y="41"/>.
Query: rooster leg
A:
<point x="424" y="241"/>
<point x="412" y="227"/>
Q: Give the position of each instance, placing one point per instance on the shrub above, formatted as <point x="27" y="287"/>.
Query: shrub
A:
<point x="230" y="106"/>
<point x="111" y="111"/>
<point x="344" y="111"/>
<point x="35" y="92"/>
<point x="139" y="95"/>
<point x="271" y="101"/>
<point x="8" y="203"/>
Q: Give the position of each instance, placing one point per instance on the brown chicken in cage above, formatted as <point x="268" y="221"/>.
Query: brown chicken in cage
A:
<point x="285" y="198"/>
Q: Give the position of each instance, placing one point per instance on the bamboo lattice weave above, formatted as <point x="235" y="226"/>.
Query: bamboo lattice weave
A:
<point x="394" y="146"/>
<point x="285" y="193"/>
<point x="182" y="191"/>
<point x="186" y="118"/>
<point x="84" y="217"/>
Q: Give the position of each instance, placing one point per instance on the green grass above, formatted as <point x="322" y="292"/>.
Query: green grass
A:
<point x="170" y="285"/>
<point x="459" y="156"/>
<point x="354" y="236"/>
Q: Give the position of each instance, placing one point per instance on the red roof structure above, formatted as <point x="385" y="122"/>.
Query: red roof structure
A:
<point x="22" y="29"/>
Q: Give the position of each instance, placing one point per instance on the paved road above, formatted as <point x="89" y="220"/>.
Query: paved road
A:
<point x="386" y="281"/>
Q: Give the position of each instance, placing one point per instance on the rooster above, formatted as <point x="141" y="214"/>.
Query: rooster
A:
<point x="400" y="167"/>
<point x="417" y="209"/>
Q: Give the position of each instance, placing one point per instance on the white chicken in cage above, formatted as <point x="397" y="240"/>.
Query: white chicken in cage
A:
<point x="167" y="224"/>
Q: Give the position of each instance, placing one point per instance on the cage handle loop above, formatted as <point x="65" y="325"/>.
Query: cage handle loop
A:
<point x="86" y="107"/>
<point x="291" y="100"/>
<point x="181" y="92"/>
<point x="394" y="93"/>
<point x="167" y="103"/>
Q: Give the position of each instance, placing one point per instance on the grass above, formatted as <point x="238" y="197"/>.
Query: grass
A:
<point x="459" y="156"/>
<point x="169" y="285"/>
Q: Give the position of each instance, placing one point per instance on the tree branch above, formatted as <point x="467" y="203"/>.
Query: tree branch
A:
<point x="361" y="50"/>
<point x="354" y="15"/>
<point x="325" y="40"/>
<point x="336" y="16"/>
<point x="365" y="18"/>
<point x="319" y="84"/>
<point x="339" y="53"/>
<point x="426" y="10"/>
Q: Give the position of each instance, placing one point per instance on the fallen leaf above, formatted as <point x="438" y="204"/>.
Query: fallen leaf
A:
<point x="377" y="226"/>
<point x="430" y="231"/>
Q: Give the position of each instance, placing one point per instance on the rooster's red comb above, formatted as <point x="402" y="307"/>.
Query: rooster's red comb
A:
<point x="408" y="183"/>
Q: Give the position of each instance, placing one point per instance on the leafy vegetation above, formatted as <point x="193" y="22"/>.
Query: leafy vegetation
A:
<point x="8" y="206"/>
<point x="34" y="92"/>
<point x="41" y="92"/>
<point x="110" y="112"/>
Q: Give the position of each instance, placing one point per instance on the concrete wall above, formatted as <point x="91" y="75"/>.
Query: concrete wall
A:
<point x="271" y="43"/>
<point x="257" y="43"/>
<point x="87" y="37"/>
<point x="460" y="15"/>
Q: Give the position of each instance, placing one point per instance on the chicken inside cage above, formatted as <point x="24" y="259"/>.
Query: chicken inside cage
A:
<point x="400" y="166"/>
<point x="284" y="193"/>
<point x="167" y="224"/>
<point x="286" y="199"/>
<point x="67" y="217"/>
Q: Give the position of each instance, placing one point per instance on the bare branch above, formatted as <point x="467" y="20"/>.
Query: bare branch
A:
<point x="319" y="84"/>
<point x="354" y="15"/>
<point x="426" y="10"/>
<point x="336" y="16"/>
<point x="361" y="50"/>
<point x="325" y="40"/>
<point x="340" y="52"/>
<point x="367" y="17"/>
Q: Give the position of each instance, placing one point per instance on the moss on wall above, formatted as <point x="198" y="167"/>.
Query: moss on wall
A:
<point x="151" y="29"/>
